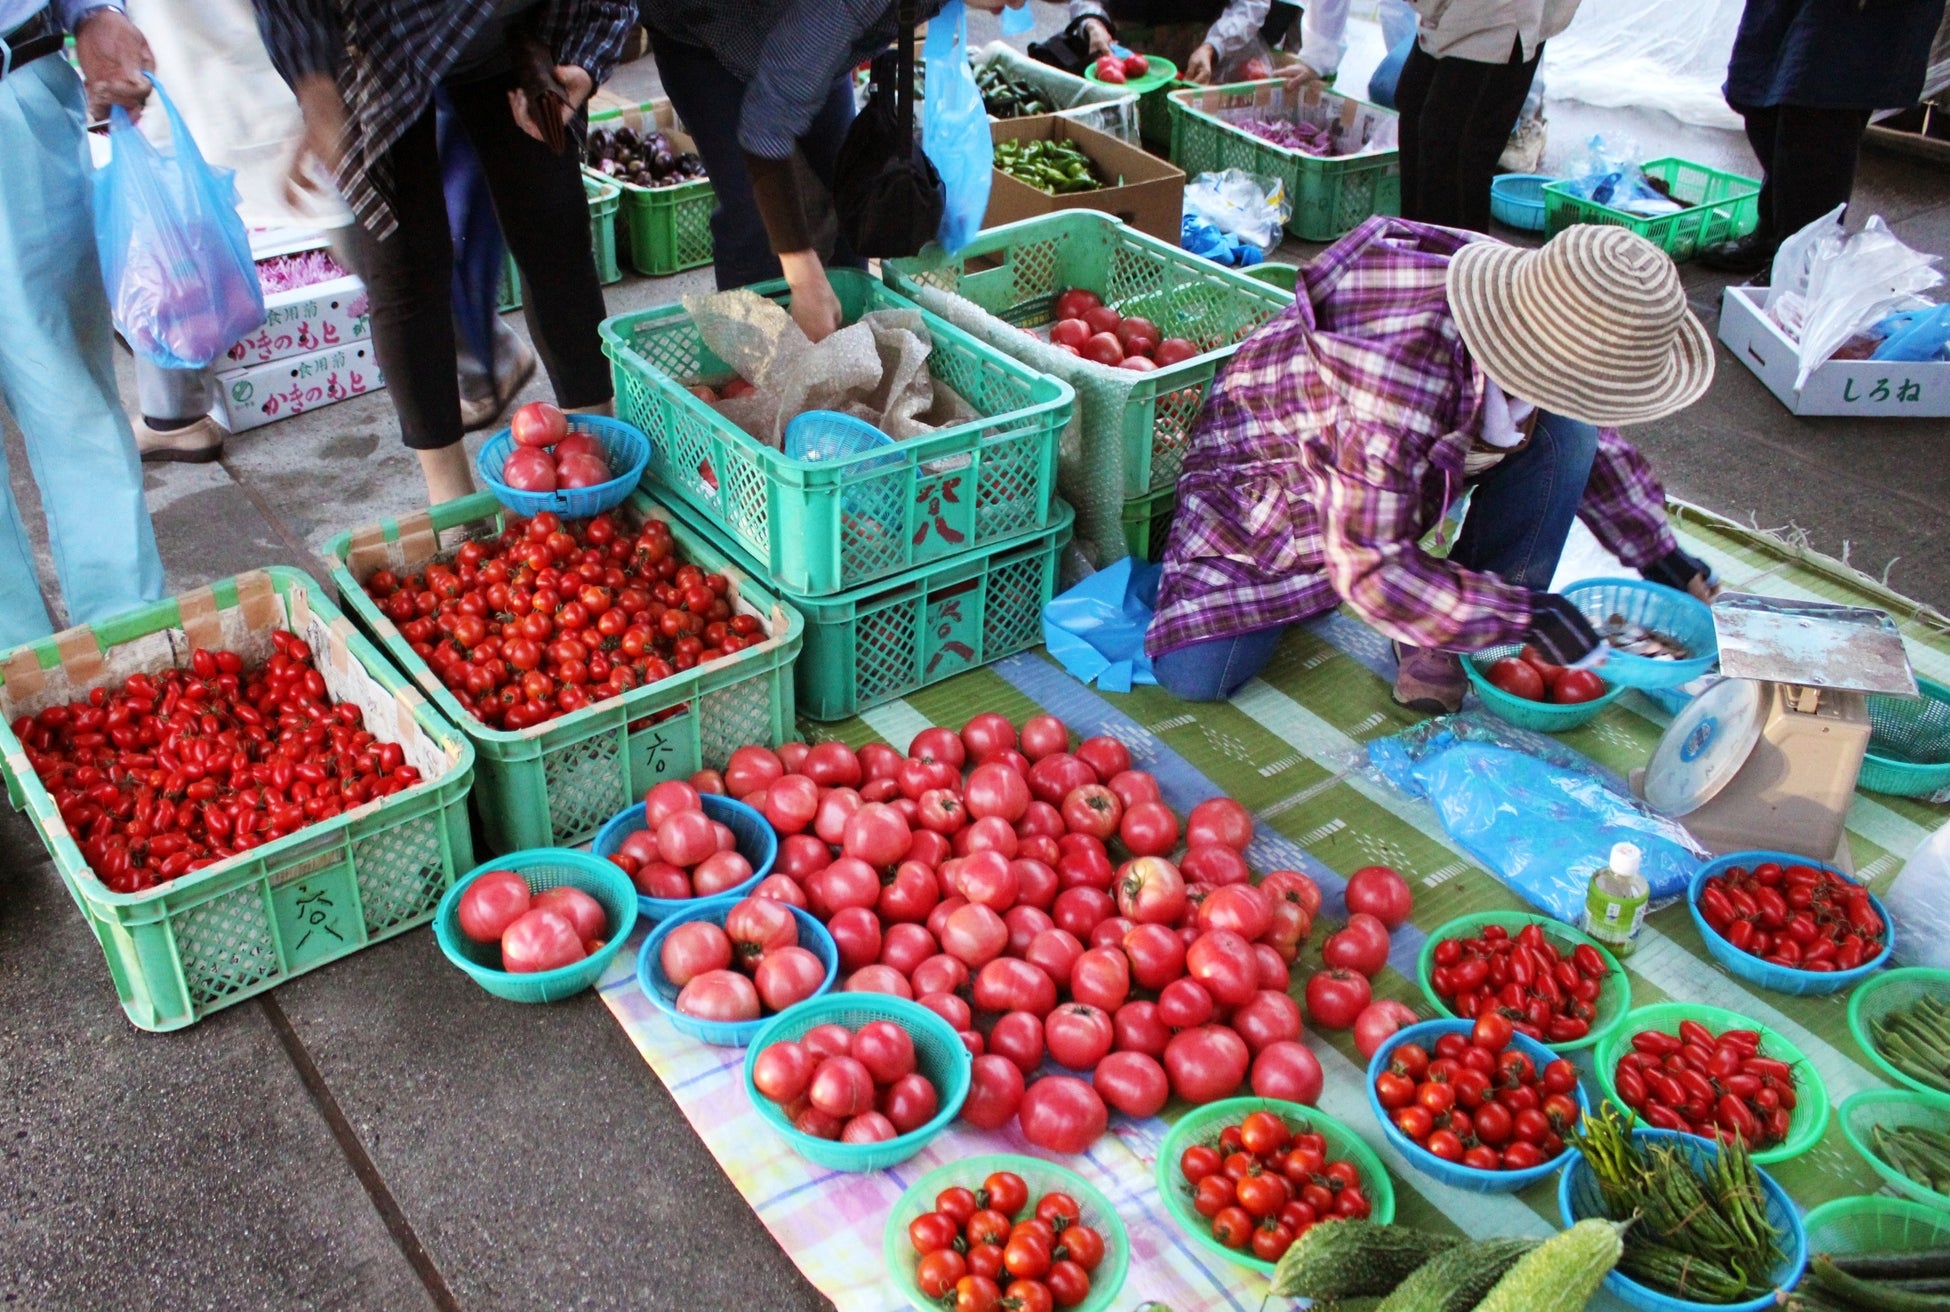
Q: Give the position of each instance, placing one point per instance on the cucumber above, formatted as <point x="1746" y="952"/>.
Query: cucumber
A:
<point x="1868" y="1296"/>
<point x="1562" y="1273"/>
<point x="1918" y="1264"/>
<point x="1346" y="1259"/>
<point x="1459" y="1279"/>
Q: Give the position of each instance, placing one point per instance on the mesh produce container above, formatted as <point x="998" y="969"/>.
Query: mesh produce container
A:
<point x="1105" y="108"/>
<point x="661" y="230"/>
<point x="1723" y="206"/>
<point x="1909" y="742"/>
<point x="216" y="936"/>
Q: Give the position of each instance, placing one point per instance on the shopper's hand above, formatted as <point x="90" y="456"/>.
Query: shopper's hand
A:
<point x="575" y="81"/>
<point x="1097" y="32"/>
<point x="1300" y="75"/>
<point x="814" y="307"/>
<point x="1199" y="67"/>
<point x="321" y="144"/>
<point x="1677" y="569"/>
<point x="114" y="55"/>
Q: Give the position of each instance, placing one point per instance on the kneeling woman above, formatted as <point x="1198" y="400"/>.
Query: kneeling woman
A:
<point x="1417" y="365"/>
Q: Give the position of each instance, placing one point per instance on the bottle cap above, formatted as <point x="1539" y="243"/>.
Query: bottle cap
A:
<point x="1625" y="860"/>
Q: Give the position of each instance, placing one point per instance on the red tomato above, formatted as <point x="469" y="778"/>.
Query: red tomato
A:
<point x="539" y="939"/>
<point x="1009" y="984"/>
<point x="1376" y="1022"/>
<point x="1336" y="997"/>
<point x="1573" y="686"/>
<point x="783" y="1071"/>
<point x="786" y="976"/>
<point x="1150" y="890"/>
<point x="1517" y="677"/>
<point x="1289" y="1071"/>
<point x="1206" y="1063"/>
<point x="1238" y="907"/>
<point x="1381" y="893"/>
<point x="1156" y="953"/>
<point x="1044" y="735"/>
<point x="1138" y="1028"/>
<point x="538" y="424"/>
<point x="939" y="1272"/>
<point x="1267" y="1018"/>
<point x="876" y="834"/>
<point x="1103" y="319"/>
<point x="720" y="995"/>
<point x="1149" y="829"/>
<point x="909" y="1102"/>
<point x="1218" y="866"/>
<point x="1173" y="350"/>
<point x="1107" y="756"/>
<point x="995" y="1091"/>
<point x="1054" y="777"/>
<point x="1219" y="820"/>
<point x="492" y="902"/>
<point x="693" y="948"/>
<point x="1094" y="810"/>
<point x="974" y="935"/>
<point x="1078" y="1035"/>
<point x="1073" y="302"/>
<point x="1063" y="1114"/>
<point x="876" y="978"/>
<point x="686" y="838"/>
<point x="1361" y="946"/>
<point x="1134" y="1083"/>
<point x="1224" y="964"/>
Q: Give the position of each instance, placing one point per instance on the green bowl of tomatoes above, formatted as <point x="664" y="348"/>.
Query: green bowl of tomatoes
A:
<point x="1521" y="687"/>
<point x="948" y="1202"/>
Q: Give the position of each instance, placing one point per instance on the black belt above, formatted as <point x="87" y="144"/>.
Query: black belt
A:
<point x="39" y="35"/>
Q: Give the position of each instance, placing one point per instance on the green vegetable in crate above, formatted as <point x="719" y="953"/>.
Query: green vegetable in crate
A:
<point x="1459" y="1279"/>
<point x="1894" y="1282"/>
<point x="1562" y="1273"/>
<point x="1919" y="1153"/>
<point x="1004" y="96"/>
<point x="1916" y="1040"/>
<point x="1345" y="1259"/>
<point x="1056" y="167"/>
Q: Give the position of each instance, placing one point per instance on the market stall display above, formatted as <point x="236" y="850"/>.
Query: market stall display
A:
<point x="1834" y="933"/>
<point x="578" y="913"/>
<point x="1134" y="187"/>
<point x="571" y="466"/>
<point x="1519" y="685"/>
<point x="1013" y="85"/>
<point x="664" y="884"/>
<point x="664" y="221"/>
<point x="1559" y="985"/>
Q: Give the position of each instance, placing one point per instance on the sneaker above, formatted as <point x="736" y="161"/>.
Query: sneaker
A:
<point x="194" y="444"/>
<point x="1429" y="681"/>
<point x="1749" y="254"/>
<point x="1524" y="151"/>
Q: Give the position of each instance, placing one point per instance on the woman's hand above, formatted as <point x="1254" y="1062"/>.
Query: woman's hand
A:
<point x="322" y="142"/>
<point x="814" y="307"/>
<point x="575" y="81"/>
<point x="1199" y="67"/>
<point x="1299" y="76"/>
<point x="1097" y="32"/>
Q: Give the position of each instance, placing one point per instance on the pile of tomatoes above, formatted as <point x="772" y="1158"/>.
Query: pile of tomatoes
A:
<point x="172" y="772"/>
<point x="1708" y="1084"/>
<point x="548" y="616"/>
<point x="536" y="931"/>
<point x="859" y="1086"/>
<point x="1262" y="1184"/>
<point x="1529" y="676"/>
<point x="548" y="456"/>
<point x="1086" y="327"/>
<point x="1798" y="916"/>
<point x="1478" y="1101"/>
<point x="986" y="1250"/>
<point x="681" y="852"/>
<point x="1045" y="902"/>
<point x="1547" y="992"/>
<point x="1118" y="69"/>
<point x="753" y="965"/>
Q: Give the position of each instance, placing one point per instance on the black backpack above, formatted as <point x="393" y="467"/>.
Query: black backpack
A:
<point x="886" y="192"/>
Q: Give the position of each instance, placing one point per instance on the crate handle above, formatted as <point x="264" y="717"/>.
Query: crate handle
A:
<point x="81" y="656"/>
<point x="418" y="540"/>
<point x="22" y="674"/>
<point x="258" y="599"/>
<point x="197" y="612"/>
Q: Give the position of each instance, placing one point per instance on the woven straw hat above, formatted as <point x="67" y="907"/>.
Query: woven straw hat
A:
<point x="1593" y="325"/>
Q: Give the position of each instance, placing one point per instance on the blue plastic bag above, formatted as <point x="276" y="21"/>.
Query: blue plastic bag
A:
<point x="174" y="254"/>
<point x="1915" y="335"/>
<point x="955" y="131"/>
<point x="1096" y="629"/>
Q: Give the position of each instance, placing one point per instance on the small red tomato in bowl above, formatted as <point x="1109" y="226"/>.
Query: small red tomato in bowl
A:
<point x="1573" y="687"/>
<point x="1517" y="677"/>
<point x="1110" y="69"/>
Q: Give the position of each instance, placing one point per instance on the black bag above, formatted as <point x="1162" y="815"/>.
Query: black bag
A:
<point x="885" y="189"/>
<point x="1069" y="49"/>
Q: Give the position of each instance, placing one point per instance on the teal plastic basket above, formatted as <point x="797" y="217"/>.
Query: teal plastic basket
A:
<point x="1544" y="717"/>
<point x="657" y="986"/>
<point x="543" y="868"/>
<point x="1665" y="611"/>
<point x="1782" y="979"/>
<point x="1909" y="742"/>
<point x="1877" y="1224"/>
<point x="624" y="446"/>
<point x="938" y="1053"/>
<point x="758" y="843"/>
<point x="1517" y="200"/>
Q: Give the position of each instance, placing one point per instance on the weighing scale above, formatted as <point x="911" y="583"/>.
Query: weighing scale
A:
<point x="1767" y="757"/>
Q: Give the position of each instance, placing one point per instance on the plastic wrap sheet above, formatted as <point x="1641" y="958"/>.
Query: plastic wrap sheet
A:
<point x="1919" y="902"/>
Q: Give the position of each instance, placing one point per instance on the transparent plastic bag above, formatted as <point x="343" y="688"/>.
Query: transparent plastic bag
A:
<point x="955" y="131"/>
<point x="1609" y="174"/>
<point x="1918" y="901"/>
<point x="1853" y="284"/>
<point x="1242" y="205"/>
<point x="1252" y="62"/>
<point x="1537" y="816"/>
<point x="175" y="258"/>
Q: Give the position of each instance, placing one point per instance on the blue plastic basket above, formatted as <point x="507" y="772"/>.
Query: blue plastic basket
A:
<point x="1517" y="200"/>
<point x="938" y="1052"/>
<point x="1782" y="979"/>
<point x="542" y="868"/>
<point x="758" y="843"/>
<point x="1578" y="1199"/>
<point x="816" y="435"/>
<point x="1666" y="611"/>
<point x="624" y="445"/>
<point x="1544" y="717"/>
<point x="663" y="994"/>
<point x="1454" y="1173"/>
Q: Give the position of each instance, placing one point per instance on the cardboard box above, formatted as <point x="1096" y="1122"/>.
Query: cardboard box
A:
<point x="1150" y="195"/>
<point x="1838" y="387"/>
<point x="260" y="394"/>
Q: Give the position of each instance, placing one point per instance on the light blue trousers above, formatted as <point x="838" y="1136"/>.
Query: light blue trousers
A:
<point x="57" y="376"/>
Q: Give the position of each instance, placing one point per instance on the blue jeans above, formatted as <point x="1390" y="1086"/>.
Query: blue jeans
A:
<point x="708" y="98"/>
<point x="1520" y="514"/>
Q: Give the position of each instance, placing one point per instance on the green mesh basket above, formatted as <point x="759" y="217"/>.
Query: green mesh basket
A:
<point x="605" y="200"/>
<point x="555" y="784"/>
<point x="1848" y="1226"/>
<point x="816" y="528"/>
<point x="1893" y="1109"/>
<point x="1909" y="742"/>
<point x="1147" y="523"/>
<point x="1203" y="1123"/>
<point x="1614" y="995"/>
<point x="1874" y="998"/>
<point x="1722" y="206"/>
<point x="1543" y="717"/>
<point x="660" y="230"/>
<point x="1042" y="1177"/>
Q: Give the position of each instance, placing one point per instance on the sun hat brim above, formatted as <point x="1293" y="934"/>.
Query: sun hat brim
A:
<point x="1549" y="362"/>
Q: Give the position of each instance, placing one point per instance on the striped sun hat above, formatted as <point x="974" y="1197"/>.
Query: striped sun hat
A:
<point x="1593" y="325"/>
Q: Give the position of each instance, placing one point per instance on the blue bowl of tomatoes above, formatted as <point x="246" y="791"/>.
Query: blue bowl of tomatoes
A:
<point x="757" y="841"/>
<point x="1523" y="1151"/>
<point x="1524" y="691"/>
<point x="1738" y="955"/>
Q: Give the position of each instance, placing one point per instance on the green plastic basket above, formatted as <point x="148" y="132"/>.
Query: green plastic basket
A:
<point x="1724" y="206"/>
<point x="818" y="528"/>
<point x="1042" y="1177"/>
<point x="663" y="230"/>
<point x="556" y="784"/>
<point x="1876" y="1225"/>
<point x="543" y="868"/>
<point x="938" y="1054"/>
<point x="1909" y="742"/>
<point x="1810" y="1118"/>
<point x="1144" y="421"/>
<point x="1284" y="276"/>
<point x="1331" y="196"/>
<point x="508" y="296"/>
<point x="1543" y="717"/>
<point x="605" y="200"/>
<point x="214" y="937"/>
<point x="1202" y="1123"/>
<point x="1893" y="1108"/>
<point x="1147" y="523"/>
<point x="1877" y="996"/>
<point x="1614" y="995"/>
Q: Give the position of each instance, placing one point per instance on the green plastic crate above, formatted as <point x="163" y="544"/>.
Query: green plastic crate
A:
<point x="1154" y="114"/>
<point x="1330" y="196"/>
<point x="206" y="940"/>
<point x="554" y="784"/>
<point x="817" y="528"/>
<point x="1015" y="271"/>
<point x="1147" y="523"/>
<point x="664" y="230"/>
<point x="885" y="640"/>
<point x="1724" y="206"/>
<point x="509" y="296"/>
<point x="605" y="197"/>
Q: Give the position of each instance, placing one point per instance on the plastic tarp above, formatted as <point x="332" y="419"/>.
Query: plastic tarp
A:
<point x="1653" y="54"/>
<point x="1096" y="629"/>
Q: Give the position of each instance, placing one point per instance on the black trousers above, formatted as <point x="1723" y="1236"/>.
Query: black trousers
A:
<point x="1456" y="116"/>
<point x="544" y="215"/>
<point x="1807" y="159"/>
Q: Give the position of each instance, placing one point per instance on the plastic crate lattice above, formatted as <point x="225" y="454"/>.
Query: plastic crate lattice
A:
<point x="732" y="717"/>
<point x="226" y="945"/>
<point x="585" y="787"/>
<point x="884" y="650"/>
<point x="402" y="874"/>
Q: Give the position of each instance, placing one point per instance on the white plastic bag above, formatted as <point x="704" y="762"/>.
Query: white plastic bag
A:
<point x="1251" y="208"/>
<point x="1919" y="904"/>
<point x="1853" y="284"/>
<point x="1789" y="275"/>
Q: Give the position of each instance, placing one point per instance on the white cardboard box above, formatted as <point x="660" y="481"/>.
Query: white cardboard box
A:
<point x="259" y="394"/>
<point x="1893" y="388"/>
<point x="305" y="319"/>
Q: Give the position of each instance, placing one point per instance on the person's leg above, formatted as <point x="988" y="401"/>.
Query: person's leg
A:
<point x="1755" y="251"/>
<point x="544" y="213"/>
<point x="707" y="98"/>
<point x="1485" y="107"/>
<point x="57" y="375"/>
<point x="1214" y="670"/>
<point x="1411" y="95"/>
<point x="1521" y="510"/>
<point x="1813" y="166"/>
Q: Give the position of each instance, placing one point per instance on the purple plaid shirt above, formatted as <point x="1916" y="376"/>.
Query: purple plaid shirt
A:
<point x="1333" y="442"/>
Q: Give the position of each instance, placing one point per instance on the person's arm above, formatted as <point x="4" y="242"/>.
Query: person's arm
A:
<point x="112" y="53"/>
<point x="1323" y="36"/>
<point x="1625" y="509"/>
<point x="302" y="37"/>
<point x="1229" y="34"/>
<point x="588" y="34"/>
<point x="1092" y="20"/>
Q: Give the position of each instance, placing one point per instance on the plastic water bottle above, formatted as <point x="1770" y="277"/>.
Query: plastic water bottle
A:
<point x="1614" y="909"/>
